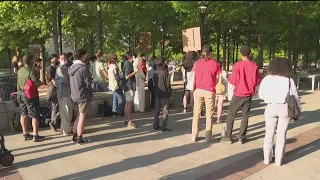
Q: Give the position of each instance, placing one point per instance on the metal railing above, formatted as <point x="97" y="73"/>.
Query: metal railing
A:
<point x="8" y="84"/>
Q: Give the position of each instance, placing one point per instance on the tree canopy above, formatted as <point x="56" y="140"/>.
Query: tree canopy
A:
<point x="283" y="28"/>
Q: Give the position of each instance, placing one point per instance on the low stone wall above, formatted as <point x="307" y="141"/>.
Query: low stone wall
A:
<point x="7" y="111"/>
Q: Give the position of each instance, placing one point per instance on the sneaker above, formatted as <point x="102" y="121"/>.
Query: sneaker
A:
<point x="81" y="140"/>
<point x="157" y="128"/>
<point x="27" y="137"/>
<point x="226" y="140"/>
<point x="219" y="121"/>
<point x="242" y="140"/>
<point x="37" y="138"/>
<point x="126" y="122"/>
<point x="165" y="130"/>
<point x="53" y="128"/>
<point x="184" y="111"/>
<point x="74" y="138"/>
<point x="132" y="124"/>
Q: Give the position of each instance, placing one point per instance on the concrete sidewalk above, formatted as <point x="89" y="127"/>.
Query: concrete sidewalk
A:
<point x="118" y="152"/>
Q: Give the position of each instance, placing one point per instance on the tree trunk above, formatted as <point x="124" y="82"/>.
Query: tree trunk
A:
<point x="260" y="51"/>
<point x="237" y="51"/>
<point x="224" y="42"/>
<point x="74" y="45"/>
<point x="290" y="40"/>
<point x="100" y="25"/>
<point x="218" y="46"/>
<point x="55" y="33"/>
<point x="42" y="56"/>
<point x="228" y="52"/>
<point x="273" y="49"/>
<point x="91" y="44"/>
<point x="9" y="57"/>
<point x="234" y="46"/>
<point x="18" y="52"/>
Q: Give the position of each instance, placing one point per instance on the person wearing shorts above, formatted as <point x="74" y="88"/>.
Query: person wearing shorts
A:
<point x="129" y="87"/>
<point x="81" y="93"/>
<point x="28" y="107"/>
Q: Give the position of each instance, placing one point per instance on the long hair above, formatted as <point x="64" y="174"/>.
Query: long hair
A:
<point x="15" y="59"/>
<point x="189" y="59"/>
<point x="206" y="51"/>
<point x="280" y="66"/>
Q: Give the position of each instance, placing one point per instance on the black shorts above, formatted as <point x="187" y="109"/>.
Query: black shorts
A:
<point x="28" y="107"/>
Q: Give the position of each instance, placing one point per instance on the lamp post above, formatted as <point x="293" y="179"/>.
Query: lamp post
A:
<point x="60" y="27"/>
<point x="202" y="9"/>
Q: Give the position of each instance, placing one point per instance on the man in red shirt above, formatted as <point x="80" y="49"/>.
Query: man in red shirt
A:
<point x="206" y="70"/>
<point x="245" y="77"/>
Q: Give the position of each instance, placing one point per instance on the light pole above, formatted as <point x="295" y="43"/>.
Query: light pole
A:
<point x="202" y="8"/>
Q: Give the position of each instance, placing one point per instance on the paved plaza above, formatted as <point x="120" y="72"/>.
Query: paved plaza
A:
<point x="118" y="152"/>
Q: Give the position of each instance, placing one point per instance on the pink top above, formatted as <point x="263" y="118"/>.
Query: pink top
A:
<point x="206" y="71"/>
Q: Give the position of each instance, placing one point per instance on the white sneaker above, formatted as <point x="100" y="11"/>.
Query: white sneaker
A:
<point x="184" y="110"/>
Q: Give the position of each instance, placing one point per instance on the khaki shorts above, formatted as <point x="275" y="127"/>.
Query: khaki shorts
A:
<point x="129" y="95"/>
<point x="82" y="107"/>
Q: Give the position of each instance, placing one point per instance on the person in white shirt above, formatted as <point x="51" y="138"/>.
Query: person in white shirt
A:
<point x="99" y="73"/>
<point x="139" y="97"/>
<point x="115" y="87"/>
<point x="220" y="97"/>
<point x="274" y="89"/>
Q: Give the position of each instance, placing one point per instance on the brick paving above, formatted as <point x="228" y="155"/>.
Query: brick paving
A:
<point x="254" y="163"/>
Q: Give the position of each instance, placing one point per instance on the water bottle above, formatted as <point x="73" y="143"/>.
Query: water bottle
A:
<point x="223" y="133"/>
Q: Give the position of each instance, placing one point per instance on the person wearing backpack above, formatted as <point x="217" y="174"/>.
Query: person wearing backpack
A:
<point x="52" y="91"/>
<point x="274" y="90"/>
<point x="81" y="93"/>
<point x="28" y="98"/>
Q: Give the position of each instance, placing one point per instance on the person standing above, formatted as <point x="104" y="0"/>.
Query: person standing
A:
<point x="52" y="91"/>
<point x="99" y="73"/>
<point x="206" y="70"/>
<point x="37" y="66"/>
<point x="220" y="97"/>
<point x="245" y="77"/>
<point x="189" y="60"/>
<point x="151" y="69"/>
<point x="129" y="87"/>
<point x="28" y="107"/>
<point x="163" y="95"/>
<point x="63" y="93"/>
<point x="274" y="89"/>
<point x="81" y="93"/>
<point x="139" y="97"/>
<point x="14" y="64"/>
<point x="115" y="87"/>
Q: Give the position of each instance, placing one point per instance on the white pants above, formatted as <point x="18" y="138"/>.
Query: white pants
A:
<point x="276" y="120"/>
<point x="139" y="100"/>
<point x="65" y="109"/>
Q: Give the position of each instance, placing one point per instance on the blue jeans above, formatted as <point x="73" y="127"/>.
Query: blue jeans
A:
<point x="118" y="102"/>
<point x="101" y="87"/>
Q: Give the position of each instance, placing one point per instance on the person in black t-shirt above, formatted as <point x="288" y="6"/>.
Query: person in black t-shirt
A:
<point x="52" y="91"/>
<point x="129" y="87"/>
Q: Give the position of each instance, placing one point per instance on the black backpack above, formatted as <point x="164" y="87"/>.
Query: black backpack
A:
<point x="107" y="109"/>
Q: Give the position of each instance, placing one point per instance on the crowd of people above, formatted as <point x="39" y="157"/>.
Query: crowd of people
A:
<point x="73" y="79"/>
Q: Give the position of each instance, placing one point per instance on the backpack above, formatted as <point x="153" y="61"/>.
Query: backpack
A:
<point x="104" y="110"/>
<point x="44" y="116"/>
<point x="107" y="109"/>
<point x="30" y="88"/>
<point x="220" y="87"/>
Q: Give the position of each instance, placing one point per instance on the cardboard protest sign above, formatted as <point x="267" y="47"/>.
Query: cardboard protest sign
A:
<point x="191" y="39"/>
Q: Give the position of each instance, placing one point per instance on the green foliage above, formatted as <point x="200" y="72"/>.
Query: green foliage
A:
<point x="279" y="24"/>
